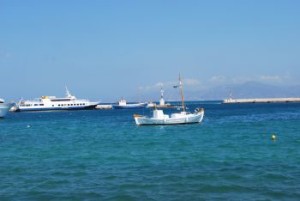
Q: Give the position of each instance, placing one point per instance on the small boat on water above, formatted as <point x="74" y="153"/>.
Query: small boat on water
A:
<point x="46" y="103"/>
<point x="4" y="108"/>
<point x="122" y="104"/>
<point x="183" y="117"/>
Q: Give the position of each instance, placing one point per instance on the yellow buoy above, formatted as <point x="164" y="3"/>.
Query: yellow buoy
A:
<point x="273" y="137"/>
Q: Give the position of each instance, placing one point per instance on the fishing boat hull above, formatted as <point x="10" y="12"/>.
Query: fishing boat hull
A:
<point x="176" y="118"/>
<point x="4" y="108"/>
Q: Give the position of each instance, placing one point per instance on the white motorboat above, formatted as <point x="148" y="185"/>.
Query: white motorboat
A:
<point x="122" y="104"/>
<point x="46" y="103"/>
<point x="183" y="117"/>
<point x="4" y="108"/>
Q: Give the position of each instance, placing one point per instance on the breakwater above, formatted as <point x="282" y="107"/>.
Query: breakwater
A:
<point x="262" y="100"/>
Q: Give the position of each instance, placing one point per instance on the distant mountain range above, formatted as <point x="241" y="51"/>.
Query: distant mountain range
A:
<point x="245" y="90"/>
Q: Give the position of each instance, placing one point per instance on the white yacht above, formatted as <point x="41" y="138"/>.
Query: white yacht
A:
<point x="45" y="103"/>
<point x="122" y="104"/>
<point x="4" y="108"/>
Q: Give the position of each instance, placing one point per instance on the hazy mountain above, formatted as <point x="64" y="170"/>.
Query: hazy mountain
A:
<point x="247" y="90"/>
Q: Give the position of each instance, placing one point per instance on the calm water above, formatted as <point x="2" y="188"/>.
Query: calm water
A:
<point x="103" y="155"/>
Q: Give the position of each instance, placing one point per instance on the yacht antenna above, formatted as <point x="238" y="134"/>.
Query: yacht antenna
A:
<point x="68" y="94"/>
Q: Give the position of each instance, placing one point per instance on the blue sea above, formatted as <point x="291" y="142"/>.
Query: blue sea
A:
<point x="103" y="155"/>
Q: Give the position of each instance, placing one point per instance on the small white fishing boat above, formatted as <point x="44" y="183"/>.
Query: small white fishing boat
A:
<point x="4" y="108"/>
<point x="122" y="104"/>
<point x="183" y="117"/>
<point x="159" y="118"/>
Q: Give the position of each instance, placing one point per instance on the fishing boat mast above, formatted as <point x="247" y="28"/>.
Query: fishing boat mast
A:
<point x="181" y="93"/>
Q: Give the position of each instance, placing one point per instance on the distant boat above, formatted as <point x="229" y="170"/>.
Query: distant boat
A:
<point x="4" y="108"/>
<point x="46" y="103"/>
<point x="104" y="107"/>
<point x="122" y="104"/>
<point x="183" y="117"/>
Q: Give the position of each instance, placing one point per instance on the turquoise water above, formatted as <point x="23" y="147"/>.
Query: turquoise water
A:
<point x="103" y="155"/>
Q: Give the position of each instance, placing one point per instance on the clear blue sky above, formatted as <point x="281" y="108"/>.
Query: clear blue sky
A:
<point x="104" y="50"/>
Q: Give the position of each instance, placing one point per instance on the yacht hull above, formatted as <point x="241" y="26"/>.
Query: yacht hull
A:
<point x="4" y="108"/>
<point x="90" y="107"/>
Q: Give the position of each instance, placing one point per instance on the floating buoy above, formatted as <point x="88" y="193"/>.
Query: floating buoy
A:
<point x="273" y="137"/>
